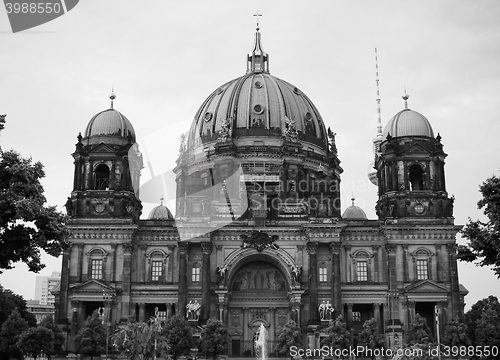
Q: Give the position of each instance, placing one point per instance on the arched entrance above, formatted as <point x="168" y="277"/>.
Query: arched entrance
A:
<point x="258" y="294"/>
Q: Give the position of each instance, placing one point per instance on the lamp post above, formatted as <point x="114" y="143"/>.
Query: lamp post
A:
<point x="107" y="297"/>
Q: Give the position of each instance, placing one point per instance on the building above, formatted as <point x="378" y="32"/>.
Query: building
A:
<point x="40" y="310"/>
<point x="43" y="287"/>
<point x="258" y="236"/>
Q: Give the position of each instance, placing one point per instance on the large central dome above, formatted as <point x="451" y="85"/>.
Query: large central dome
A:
<point x="258" y="104"/>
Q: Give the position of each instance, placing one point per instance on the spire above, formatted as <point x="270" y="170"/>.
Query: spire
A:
<point x="258" y="60"/>
<point x="112" y="97"/>
<point x="377" y="81"/>
<point x="352" y="200"/>
<point x="405" y="98"/>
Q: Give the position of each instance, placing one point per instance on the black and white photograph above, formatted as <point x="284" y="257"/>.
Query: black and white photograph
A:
<point x="249" y="180"/>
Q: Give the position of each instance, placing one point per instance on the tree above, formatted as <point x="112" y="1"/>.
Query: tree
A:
<point x="36" y="341"/>
<point x="488" y="329"/>
<point x="12" y="328"/>
<point x="91" y="339"/>
<point x="484" y="237"/>
<point x="48" y="322"/>
<point x="419" y="332"/>
<point x="140" y="341"/>
<point x="475" y="313"/>
<point x="455" y="334"/>
<point x="26" y="224"/>
<point x="338" y="336"/>
<point x="289" y="335"/>
<point x="10" y="301"/>
<point x="370" y="336"/>
<point x="214" y="338"/>
<point x="177" y="333"/>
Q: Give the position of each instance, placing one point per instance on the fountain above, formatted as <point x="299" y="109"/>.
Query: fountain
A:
<point x="260" y="343"/>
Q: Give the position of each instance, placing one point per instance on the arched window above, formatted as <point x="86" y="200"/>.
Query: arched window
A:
<point x="422" y="264"/>
<point x="96" y="264"/>
<point x="416" y="178"/>
<point x="101" y="177"/>
<point x="157" y="260"/>
<point x="361" y="262"/>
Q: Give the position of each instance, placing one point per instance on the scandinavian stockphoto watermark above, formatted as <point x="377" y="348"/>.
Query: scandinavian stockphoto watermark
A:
<point x="364" y="351"/>
<point x="27" y="14"/>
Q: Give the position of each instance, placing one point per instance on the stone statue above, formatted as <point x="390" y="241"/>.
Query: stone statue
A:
<point x="290" y="132"/>
<point x="221" y="272"/>
<point x="182" y="146"/>
<point x="322" y="310"/>
<point x="329" y="310"/>
<point x="193" y="310"/>
<point x="225" y="130"/>
<point x="331" y="141"/>
<point x="69" y="207"/>
<point x="297" y="273"/>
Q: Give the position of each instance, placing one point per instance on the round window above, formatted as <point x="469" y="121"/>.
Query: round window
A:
<point x="419" y="208"/>
<point x="207" y="116"/>
<point x="308" y="116"/>
<point x="259" y="109"/>
<point x="258" y="84"/>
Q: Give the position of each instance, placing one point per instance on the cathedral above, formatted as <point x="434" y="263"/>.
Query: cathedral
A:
<point x="258" y="236"/>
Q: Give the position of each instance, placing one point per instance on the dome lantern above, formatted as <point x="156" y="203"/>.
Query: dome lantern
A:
<point x="258" y="60"/>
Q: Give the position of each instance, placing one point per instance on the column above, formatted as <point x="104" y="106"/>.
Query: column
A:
<point x="405" y="263"/>
<point x="349" y="316"/>
<point x="313" y="283"/>
<point x="113" y="263"/>
<point x="348" y="263"/>
<point x="439" y="277"/>
<point x="376" y="315"/>
<point x="376" y="273"/>
<point x="62" y="310"/>
<point x="336" y="285"/>
<point x="79" y="268"/>
<point x="183" y="249"/>
<point x="455" y="289"/>
<point x="142" y="264"/>
<point x="206" y="248"/>
<point x="142" y="312"/>
<point x="126" y="280"/>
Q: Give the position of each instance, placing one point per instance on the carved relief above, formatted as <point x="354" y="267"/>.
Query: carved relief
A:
<point x="259" y="276"/>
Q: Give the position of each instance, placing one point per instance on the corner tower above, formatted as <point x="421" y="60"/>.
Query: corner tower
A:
<point x="107" y="169"/>
<point x="410" y="170"/>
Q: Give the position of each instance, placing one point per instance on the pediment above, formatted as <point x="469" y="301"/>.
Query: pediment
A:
<point x="91" y="286"/>
<point x="102" y="148"/>
<point x="425" y="286"/>
<point x="417" y="148"/>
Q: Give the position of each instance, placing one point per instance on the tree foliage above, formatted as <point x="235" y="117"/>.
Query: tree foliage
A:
<point x="214" y="338"/>
<point x="419" y="331"/>
<point x="475" y="313"/>
<point x="138" y="341"/>
<point x="488" y="329"/>
<point x="338" y="337"/>
<point x="10" y="301"/>
<point x="36" y="341"/>
<point x="48" y="322"/>
<point x="455" y="334"/>
<point x="289" y="335"/>
<point x="26" y="224"/>
<point x="370" y="336"/>
<point x="12" y="328"/>
<point x="91" y="339"/>
<point x="179" y="339"/>
<point x="484" y="237"/>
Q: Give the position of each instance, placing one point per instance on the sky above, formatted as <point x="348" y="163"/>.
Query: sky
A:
<point x="163" y="58"/>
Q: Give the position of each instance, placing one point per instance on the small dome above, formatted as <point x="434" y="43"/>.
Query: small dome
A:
<point x="354" y="212"/>
<point x="160" y="212"/>
<point x="408" y="123"/>
<point x="110" y="123"/>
